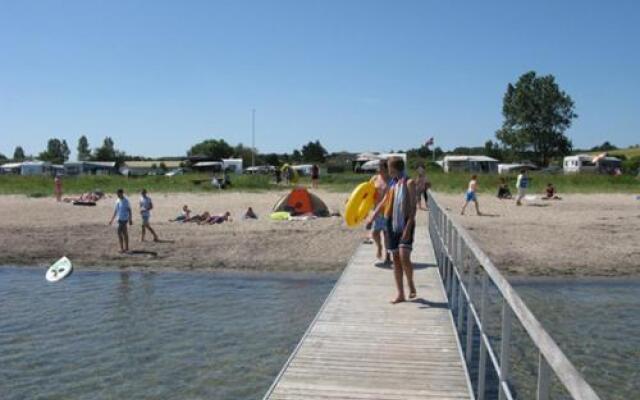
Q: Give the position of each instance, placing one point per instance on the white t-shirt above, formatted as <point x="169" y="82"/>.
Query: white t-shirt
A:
<point x="123" y="209"/>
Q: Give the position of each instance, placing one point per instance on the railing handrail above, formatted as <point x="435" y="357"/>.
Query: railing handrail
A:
<point x="568" y="375"/>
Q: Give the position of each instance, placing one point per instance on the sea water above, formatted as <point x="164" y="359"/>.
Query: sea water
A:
<point x="126" y="335"/>
<point x="596" y="322"/>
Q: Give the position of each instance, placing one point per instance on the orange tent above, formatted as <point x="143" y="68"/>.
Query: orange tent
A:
<point x="300" y="201"/>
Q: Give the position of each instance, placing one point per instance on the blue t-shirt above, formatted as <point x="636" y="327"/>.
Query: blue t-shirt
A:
<point x="123" y="209"/>
<point x="145" y="206"/>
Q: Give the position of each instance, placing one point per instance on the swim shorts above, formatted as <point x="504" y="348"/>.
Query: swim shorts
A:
<point x="395" y="241"/>
<point x="122" y="226"/>
<point x="470" y="196"/>
<point x="380" y="224"/>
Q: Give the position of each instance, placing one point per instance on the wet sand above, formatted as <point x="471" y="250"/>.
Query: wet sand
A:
<point x="38" y="231"/>
<point x="581" y="235"/>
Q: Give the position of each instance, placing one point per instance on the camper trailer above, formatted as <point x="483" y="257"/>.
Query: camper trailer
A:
<point x="481" y="164"/>
<point x="589" y="163"/>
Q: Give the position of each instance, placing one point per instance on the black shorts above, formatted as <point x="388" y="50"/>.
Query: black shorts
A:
<point x="395" y="241"/>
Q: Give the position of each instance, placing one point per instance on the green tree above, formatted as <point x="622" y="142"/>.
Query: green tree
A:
<point x="212" y="148"/>
<point x="3" y="158"/>
<point x="18" y="154"/>
<point x="606" y="146"/>
<point x="536" y="115"/>
<point x="163" y="167"/>
<point x="314" y="152"/>
<point x="272" y="159"/>
<point x="84" y="151"/>
<point x="106" y="152"/>
<point x="57" y="151"/>
<point x="245" y="153"/>
<point x="296" y="156"/>
<point x="492" y="150"/>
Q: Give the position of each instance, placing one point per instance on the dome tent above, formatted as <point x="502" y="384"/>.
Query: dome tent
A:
<point x="300" y="201"/>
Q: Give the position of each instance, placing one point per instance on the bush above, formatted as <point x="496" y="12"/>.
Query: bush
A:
<point x="631" y="165"/>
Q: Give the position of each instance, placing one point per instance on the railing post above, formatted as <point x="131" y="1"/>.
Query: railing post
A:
<point x="460" y="303"/>
<point x="482" y="375"/>
<point x="470" y="324"/>
<point x="544" y="378"/>
<point x="505" y="349"/>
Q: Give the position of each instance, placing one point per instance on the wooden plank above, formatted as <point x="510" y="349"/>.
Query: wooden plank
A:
<point x="361" y="347"/>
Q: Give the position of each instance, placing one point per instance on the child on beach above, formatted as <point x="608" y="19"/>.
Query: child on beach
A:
<point x="379" y="224"/>
<point x="146" y="205"/>
<point x="57" y="187"/>
<point x="471" y="195"/>
<point x="550" y="193"/>
<point x="503" y="190"/>
<point x="250" y="214"/>
<point x="184" y="216"/>
<point x="522" y="184"/>
<point x="422" y="186"/>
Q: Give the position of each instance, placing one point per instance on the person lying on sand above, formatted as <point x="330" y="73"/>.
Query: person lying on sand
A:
<point x="85" y="197"/>
<point x="216" y="219"/>
<point x="550" y="193"/>
<point x="184" y="216"/>
<point x="250" y="214"/>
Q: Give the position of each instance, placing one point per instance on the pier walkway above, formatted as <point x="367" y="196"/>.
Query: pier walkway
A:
<point x="362" y="347"/>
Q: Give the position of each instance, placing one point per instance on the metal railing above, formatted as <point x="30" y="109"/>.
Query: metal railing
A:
<point x="456" y="252"/>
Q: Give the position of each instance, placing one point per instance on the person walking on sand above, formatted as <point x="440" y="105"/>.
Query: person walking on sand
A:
<point x="471" y="195"/>
<point x="399" y="210"/>
<point x="422" y="186"/>
<point x="315" y="176"/>
<point x="122" y="210"/>
<point x="57" y="187"/>
<point x="146" y="205"/>
<point x="378" y="224"/>
<point x="522" y="184"/>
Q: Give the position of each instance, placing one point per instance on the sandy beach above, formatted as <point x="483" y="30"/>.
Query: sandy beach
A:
<point x="581" y="235"/>
<point x="38" y="231"/>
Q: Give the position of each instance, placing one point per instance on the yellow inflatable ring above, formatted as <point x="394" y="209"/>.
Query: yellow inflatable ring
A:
<point x="295" y="176"/>
<point x="359" y="204"/>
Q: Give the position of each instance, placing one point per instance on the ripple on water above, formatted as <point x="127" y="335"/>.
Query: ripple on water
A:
<point x="105" y="335"/>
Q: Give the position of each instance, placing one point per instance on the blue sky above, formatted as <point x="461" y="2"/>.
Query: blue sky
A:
<point x="158" y="76"/>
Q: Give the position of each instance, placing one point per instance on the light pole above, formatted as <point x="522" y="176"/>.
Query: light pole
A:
<point x="253" y="137"/>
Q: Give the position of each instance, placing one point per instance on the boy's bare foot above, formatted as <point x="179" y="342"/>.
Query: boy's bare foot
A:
<point x="155" y="239"/>
<point x="399" y="299"/>
<point x="412" y="294"/>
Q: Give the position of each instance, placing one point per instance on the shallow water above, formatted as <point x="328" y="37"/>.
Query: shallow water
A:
<point x="116" y="335"/>
<point x="596" y="322"/>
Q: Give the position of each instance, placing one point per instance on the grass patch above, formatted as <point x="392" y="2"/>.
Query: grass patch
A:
<point x="343" y="182"/>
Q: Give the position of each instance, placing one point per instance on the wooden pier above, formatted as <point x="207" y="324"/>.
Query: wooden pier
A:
<point x="360" y="346"/>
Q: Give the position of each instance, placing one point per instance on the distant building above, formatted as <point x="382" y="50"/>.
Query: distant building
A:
<point x="372" y="159"/>
<point x="74" y="168"/>
<point x="480" y="164"/>
<point x="509" y="168"/>
<point x="140" y="168"/>
<point x="29" y="168"/>
<point x="589" y="163"/>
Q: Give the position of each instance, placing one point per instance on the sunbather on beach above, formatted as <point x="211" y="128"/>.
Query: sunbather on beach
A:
<point x="216" y="219"/>
<point x="184" y="216"/>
